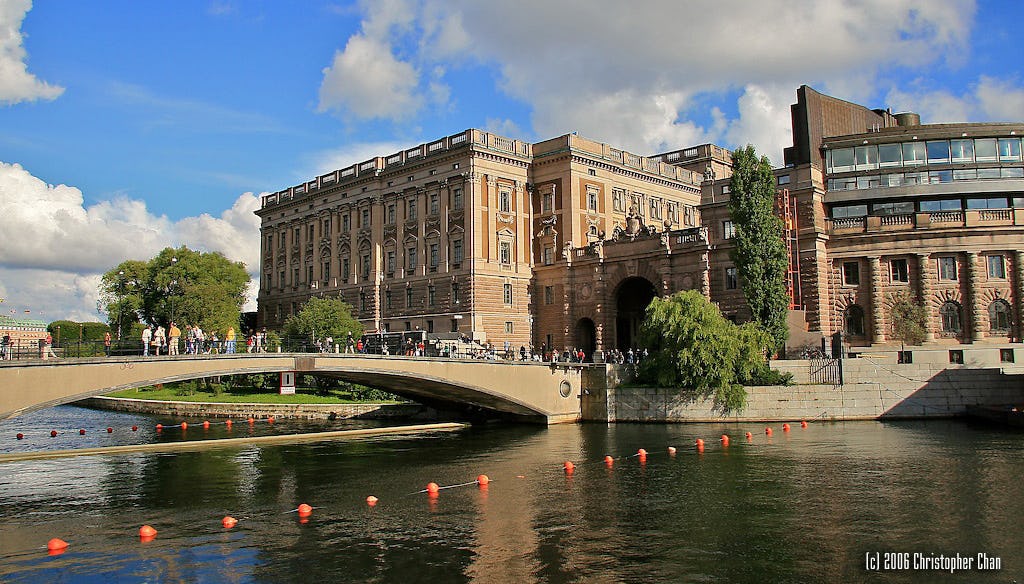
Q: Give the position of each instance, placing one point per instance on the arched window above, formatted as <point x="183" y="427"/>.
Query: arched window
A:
<point x="949" y="315"/>
<point x="999" y="316"/>
<point x="853" y="318"/>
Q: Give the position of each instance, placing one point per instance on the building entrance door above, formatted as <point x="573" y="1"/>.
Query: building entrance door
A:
<point x="631" y="300"/>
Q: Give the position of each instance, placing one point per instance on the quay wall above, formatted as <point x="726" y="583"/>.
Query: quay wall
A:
<point x="872" y="389"/>
<point x="245" y="410"/>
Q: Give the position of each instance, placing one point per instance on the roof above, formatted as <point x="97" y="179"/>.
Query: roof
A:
<point x="12" y="322"/>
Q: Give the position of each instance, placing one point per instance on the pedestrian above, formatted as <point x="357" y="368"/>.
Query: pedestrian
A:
<point x="159" y="339"/>
<point x="359" y="346"/>
<point x="147" y="340"/>
<point x="5" y="347"/>
<point x="250" y="342"/>
<point x="106" y="343"/>
<point x="173" y="334"/>
<point x="350" y="344"/>
<point x="48" y="347"/>
<point x="229" y="340"/>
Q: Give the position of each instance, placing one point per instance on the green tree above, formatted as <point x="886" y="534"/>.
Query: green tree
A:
<point x="323" y="317"/>
<point x="760" y="252"/>
<point x="909" y="320"/>
<point x="190" y="287"/>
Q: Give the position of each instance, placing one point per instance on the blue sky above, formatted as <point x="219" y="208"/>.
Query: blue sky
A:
<point x="129" y="126"/>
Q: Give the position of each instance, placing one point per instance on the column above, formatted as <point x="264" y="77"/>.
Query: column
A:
<point x="924" y="290"/>
<point x="1018" y="292"/>
<point x="877" y="301"/>
<point x="972" y="295"/>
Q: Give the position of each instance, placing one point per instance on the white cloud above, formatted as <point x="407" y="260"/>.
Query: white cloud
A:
<point x="54" y="247"/>
<point x="632" y="74"/>
<point x="353" y="153"/>
<point x="990" y="99"/>
<point x="16" y="83"/>
<point x="1000" y="100"/>
<point x="367" y="81"/>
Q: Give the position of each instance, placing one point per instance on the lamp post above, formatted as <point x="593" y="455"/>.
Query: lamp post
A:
<point x="170" y="288"/>
<point x="120" y="299"/>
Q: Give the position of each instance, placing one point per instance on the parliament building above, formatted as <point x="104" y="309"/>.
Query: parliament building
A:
<point x="564" y="242"/>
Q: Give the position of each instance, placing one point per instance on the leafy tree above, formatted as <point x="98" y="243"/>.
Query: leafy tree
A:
<point x="188" y="286"/>
<point x="760" y="252"/>
<point x="323" y="317"/>
<point x="909" y="320"/>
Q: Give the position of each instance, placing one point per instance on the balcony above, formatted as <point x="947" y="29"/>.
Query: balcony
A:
<point x="985" y="218"/>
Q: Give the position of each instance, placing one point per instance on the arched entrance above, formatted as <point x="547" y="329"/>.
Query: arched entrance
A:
<point x="586" y="337"/>
<point x="631" y="300"/>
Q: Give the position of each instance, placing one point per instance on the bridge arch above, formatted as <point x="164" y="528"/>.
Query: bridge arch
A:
<point x="632" y="296"/>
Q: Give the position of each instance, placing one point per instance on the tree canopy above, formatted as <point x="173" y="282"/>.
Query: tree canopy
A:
<point x="696" y="348"/>
<point x="184" y="285"/>
<point x="909" y="320"/>
<point x="323" y="317"/>
<point x="760" y="252"/>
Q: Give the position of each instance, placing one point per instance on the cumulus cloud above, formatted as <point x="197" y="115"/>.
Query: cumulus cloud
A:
<point x="16" y="83"/>
<point x="634" y="74"/>
<point x="990" y="98"/>
<point x="55" y="247"/>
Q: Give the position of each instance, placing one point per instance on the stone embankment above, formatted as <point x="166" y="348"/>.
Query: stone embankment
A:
<point x="243" y="410"/>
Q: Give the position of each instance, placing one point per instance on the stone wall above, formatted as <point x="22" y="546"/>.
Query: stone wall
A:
<point x="873" y="390"/>
<point x="295" y="411"/>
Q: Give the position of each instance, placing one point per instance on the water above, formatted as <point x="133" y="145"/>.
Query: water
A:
<point x="804" y="506"/>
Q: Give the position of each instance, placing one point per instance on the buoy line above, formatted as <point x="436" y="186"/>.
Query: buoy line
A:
<point x="227" y="442"/>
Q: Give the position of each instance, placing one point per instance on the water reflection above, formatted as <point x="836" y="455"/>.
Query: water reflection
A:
<point x="799" y="506"/>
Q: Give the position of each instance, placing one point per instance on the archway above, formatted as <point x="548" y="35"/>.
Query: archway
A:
<point x="586" y="337"/>
<point x="631" y="300"/>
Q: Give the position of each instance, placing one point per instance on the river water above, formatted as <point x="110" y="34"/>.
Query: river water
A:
<point x="810" y="505"/>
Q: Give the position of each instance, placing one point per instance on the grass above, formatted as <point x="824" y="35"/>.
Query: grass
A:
<point x="183" y="392"/>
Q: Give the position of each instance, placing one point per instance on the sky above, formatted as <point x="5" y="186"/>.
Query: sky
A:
<point x="127" y="127"/>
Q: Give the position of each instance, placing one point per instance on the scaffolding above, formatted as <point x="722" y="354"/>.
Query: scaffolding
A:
<point x="785" y="205"/>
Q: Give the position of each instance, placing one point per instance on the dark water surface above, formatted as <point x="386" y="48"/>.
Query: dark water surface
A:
<point x="803" y="506"/>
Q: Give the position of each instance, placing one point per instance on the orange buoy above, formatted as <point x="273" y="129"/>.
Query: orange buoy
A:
<point x="228" y="522"/>
<point x="206" y="424"/>
<point x="768" y="431"/>
<point x="56" y="544"/>
<point x="749" y="435"/>
<point x="251" y="421"/>
<point x="159" y="427"/>
<point x="672" y="450"/>
<point x="568" y="467"/>
<point x="371" y="500"/>
<point x="21" y="436"/>
<point x="700" y="445"/>
<point x="184" y="425"/>
<point x="785" y="427"/>
<point x="110" y="430"/>
<point x="270" y="419"/>
<point x="304" y="510"/>
<point x="803" y="423"/>
<point x="482" y="480"/>
<point x="228" y="422"/>
<point x="433" y="488"/>
<point x="135" y="428"/>
<point x="725" y="439"/>
<point x="641" y="452"/>
<point x="608" y="460"/>
<point x="147" y="532"/>
<point x="53" y="433"/>
<point x="81" y="432"/>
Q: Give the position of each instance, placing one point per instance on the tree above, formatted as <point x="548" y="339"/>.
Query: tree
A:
<point x="760" y="252"/>
<point x="909" y="320"/>
<point x="696" y="348"/>
<point x="323" y="317"/>
<point x="187" y="286"/>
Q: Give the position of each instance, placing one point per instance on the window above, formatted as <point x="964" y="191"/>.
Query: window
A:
<point x="547" y="201"/>
<point x="851" y="273"/>
<point x="295" y="276"/>
<point x="956" y="356"/>
<point x="346" y="223"/>
<point x="507" y="294"/>
<point x="455" y="325"/>
<point x="435" y="256"/>
<point x="297" y="236"/>
<point x="549" y="255"/>
<point x="457" y="252"/>
<point x="362" y="301"/>
<point x="999" y="316"/>
<point x="731" y="278"/>
<point x="430" y="326"/>
<point x="947" y="268"/>
<point x="1006" y="356"/>
<point x="592" y="171"/>
<point x="391" y="214"/>
<point x="845" y="211"/>
<point x="996" y="267"/>
<point x="840" y="160"/>
<point x="889" y="155"/>
<point x="618" y="200"/>
<point x="985" y="150"/>
<point x="326" y="269"/>
<point x="867" y="157"/>
<point x="346" y="268"/>
<point x="988" y="203"/>
<point x="938" y="151"/>
<point x="783" y="179"/>
<point x="411" y="210"/>
<point x="435" y="203"/>
<point x="1009" y="149"/>
<point x="456" y="297"/>
<point x="900" y="208"/>
<point x="655" y="208"/>
<point x="591" y="200"/>
<point x="508" y="327"/>
<point x="941" y="205"/>
<point x="365" y="218"/>
<point x="408" y="297"/>
<point x="914" y="153"/>
<point x="410" y="259"/>
<point x="280" y="279"/>
<point x="853" y="320"/>
<point x="728" y="230"/>
<point x="899" y="271"/>
<point x="327" y="227"/>
<point x="504" y="201"/>
<point x="549" y="294"/>
<point x="431" y="295"/>
<point x="389" y="301"/>
<point x="391" y="262"/>
<point x="949" y="317"/>
<point x="457" y="198"/>
<point x="366" y="266"/>
<point x="673" y="212"/>
<point x="961" y="150"/>
<point x="309" y="274"/>
<point x="505" y="252"/>
<point x="270" y="242"/>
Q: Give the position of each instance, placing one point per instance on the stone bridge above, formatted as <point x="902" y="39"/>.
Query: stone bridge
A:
<point x="543" y="392"/>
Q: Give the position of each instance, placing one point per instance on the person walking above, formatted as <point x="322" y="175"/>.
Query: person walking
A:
<point x="147" y="340"/>
<point x="106" y="343"/>
<point x="5" y="347"/>
<point x="173" y="334"/>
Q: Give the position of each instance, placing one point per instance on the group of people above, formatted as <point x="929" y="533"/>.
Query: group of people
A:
<point x="630" y="357"/>
<point x="159" y="341"/>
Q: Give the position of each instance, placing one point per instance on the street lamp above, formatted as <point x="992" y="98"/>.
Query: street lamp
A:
<point x="170" y="288"/>
<point x="120" y="299"/>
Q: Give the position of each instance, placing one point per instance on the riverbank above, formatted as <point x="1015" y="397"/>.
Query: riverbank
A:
<point x="336" y="411"/>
